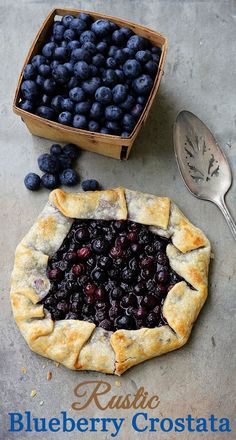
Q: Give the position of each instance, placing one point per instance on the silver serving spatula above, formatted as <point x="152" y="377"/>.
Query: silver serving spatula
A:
<point x="203" y="166"/>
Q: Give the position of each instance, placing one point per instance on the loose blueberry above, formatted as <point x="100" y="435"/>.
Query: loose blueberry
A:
<point x="32" y="181"/>
<point x="48" y="163"/>
<point x="90" y="185"/>
<point x="50" y="181"/>
<point x="56" y="149"/>
<point x="71" y="150"/>
<point x="69" y="177"/>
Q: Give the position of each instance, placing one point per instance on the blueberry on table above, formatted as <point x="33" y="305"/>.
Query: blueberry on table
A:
<point x="66" y="20"/>
<point x="26" y="105"/>
<point x="30" y="71"/>
<point x="88" y="36"/>
<point x="65" y="161"/>
<point x="143" y="56"/>
<point x="93" y="126"/>
<point x="67" y="105"/>
<point x="103" y="95"/>
<point x="32" y="181"/>
<point x="56" y="103"/>
<point x="132" y="68"/>
<point x="77" y="94"/>
<point x="90" y="86"/>
<point x="45" y="112"/>
<point x="48" y="163"/>
<point x="71" y="150"/>
<point x="37" y="60"/>
<point x="56" y="149"/>
<point x="61" y="74"/>
<point x="119" y="93"/>
<point x="80" y="121"/>
<point x="65" y="118"/>
<point x="29" y="90"/>
<point x="82" y="107"/>
<point x="136" y="43"/>
<point x="50" y="181"/>
<point x="113" y="113"/>
<point x="143" y="84"/>
<point x="47" y="51"/>
<point x="82" y="70"/>
<point x="69" y="177"/>
<point x="90" y="185"/>
<point x="101" y="27"/>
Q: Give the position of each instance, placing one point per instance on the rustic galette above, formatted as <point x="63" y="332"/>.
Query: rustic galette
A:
<point x="105" y="280"/>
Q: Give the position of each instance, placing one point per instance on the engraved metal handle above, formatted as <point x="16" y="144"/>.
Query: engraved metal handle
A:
<point x="228" y="217"/>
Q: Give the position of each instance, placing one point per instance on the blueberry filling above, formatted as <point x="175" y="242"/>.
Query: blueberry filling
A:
<point x="115" y="274"/>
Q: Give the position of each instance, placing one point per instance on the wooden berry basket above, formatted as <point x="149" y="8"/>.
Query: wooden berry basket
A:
<point x="105" y="144"/>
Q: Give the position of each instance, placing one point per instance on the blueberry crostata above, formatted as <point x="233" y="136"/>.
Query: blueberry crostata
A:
<point x="105" y="280"/>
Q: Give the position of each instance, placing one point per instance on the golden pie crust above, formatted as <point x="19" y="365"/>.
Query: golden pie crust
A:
<point x="78" y="344"/>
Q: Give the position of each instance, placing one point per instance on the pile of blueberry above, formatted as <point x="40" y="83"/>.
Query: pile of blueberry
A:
<point x="115" y="274"/>
<point x="91" y="75"/>
<point x="57" y="167"/>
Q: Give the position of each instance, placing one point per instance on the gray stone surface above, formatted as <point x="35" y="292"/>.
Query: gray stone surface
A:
<point x="198" y="379"/>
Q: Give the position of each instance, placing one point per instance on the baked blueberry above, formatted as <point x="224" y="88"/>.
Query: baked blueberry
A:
<point x="29" y="90"/>
<point x="55" y="149"/>
<point x="45" y="112"/>
<point x="77" y="94"/>
<point x="143" y="84"/>
<point x="30" y="71"/>
<point x="65" y="118"/>
<point x="69" y="177"/>
<point x="48" y="163"/>
<point x="132" y="68"/>
<point x="50" y="181"/>
<point x="90" y="185"/>
<point x="71" y="150"/>
<point x="32" y="181"/>
<point x="80" y="121"/>
<point x="126" y="322"/>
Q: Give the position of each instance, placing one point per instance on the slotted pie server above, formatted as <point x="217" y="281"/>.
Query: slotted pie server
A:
<point x="202" y="164"/>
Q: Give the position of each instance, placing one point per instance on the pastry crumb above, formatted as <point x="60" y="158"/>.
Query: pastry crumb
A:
<point x="49" y="375"/>
<point x="41" y="403"/>
<point x="212" y="256"/>
<point x="44" y="366"/>
<point x="33" y="393"/>
<point x="117" y="383"/>
<point x="23" y="370"/>
<point x="57" y="364"/>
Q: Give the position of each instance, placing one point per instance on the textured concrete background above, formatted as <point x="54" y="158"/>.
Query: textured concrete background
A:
<point x="199" y="76"/>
